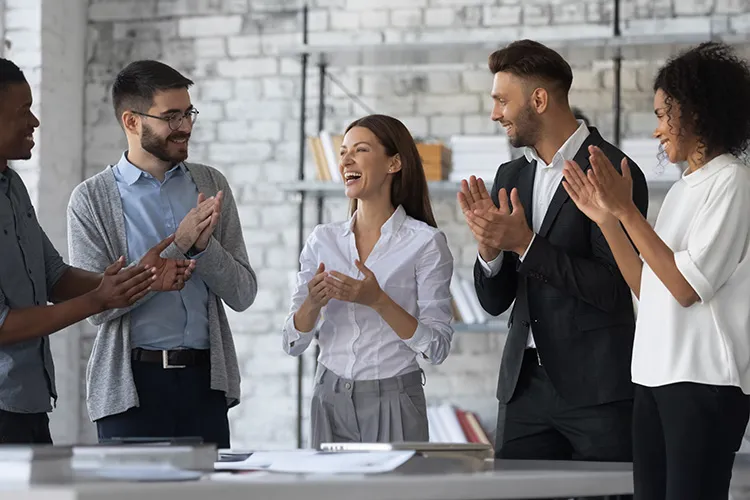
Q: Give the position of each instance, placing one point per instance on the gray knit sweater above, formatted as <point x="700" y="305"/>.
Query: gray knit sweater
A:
<point x="96" y="238"/>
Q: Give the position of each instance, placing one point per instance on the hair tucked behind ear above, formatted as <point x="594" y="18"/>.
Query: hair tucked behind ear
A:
<point x="409" y="187"/>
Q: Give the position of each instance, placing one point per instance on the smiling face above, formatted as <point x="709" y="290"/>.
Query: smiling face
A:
<point x="674" y="139"/>
<point x="513" y="110"/>
<point x="17" y="122"/>
<point x="365" y="166"/>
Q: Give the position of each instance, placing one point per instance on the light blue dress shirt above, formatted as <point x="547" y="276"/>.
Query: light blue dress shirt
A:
<point x="153" y="210"/>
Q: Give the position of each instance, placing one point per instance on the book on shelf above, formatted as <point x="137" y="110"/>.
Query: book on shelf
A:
<point x="450" y="424"/>
<point x="465" y="302"/>
<point x="436" y="157"/>
<point x="325" y="151"/>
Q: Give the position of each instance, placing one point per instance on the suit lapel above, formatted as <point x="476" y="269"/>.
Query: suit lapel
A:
<point x="525" y="186"/>
<point x="560" y="196"/>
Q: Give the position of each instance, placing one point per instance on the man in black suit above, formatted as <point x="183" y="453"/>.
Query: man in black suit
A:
<point x="564" y="386"/>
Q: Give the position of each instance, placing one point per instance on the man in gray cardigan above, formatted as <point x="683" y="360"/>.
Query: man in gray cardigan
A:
<point x="32" y="273"/>
<point x="165" y="367"/>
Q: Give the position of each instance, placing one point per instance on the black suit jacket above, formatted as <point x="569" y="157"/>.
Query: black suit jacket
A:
<point x="568" y="289"/>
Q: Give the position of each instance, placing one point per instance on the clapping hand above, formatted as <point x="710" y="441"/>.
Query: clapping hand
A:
<point x="169" y="274"/>
<point x="495" y="228"/>
<point x="584" y="194"/>
<point x="366" y="291"/>
<point x="614" y="190"/>
<point x="318" y="293"/>
<point x="202" y="242"/>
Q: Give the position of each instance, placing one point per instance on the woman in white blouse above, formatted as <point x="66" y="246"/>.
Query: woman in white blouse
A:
<point x="380" y="282"/>
<point x="691" y="355"/>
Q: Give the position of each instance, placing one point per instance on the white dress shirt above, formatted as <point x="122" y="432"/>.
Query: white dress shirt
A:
<point x="546" y="181"/>
<point x="704" y="220"/>
<point x="413" y="265"/>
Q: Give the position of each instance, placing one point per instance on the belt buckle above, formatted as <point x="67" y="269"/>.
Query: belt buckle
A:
<point x="165" y="361"/>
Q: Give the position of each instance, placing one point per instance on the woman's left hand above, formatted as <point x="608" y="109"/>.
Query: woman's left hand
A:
<point x="366" y="291"/>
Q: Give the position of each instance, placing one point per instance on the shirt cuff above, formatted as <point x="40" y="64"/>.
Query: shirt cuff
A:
<point x="292" y="334"/>
<point x="693" y="275"/>
<point x="528" y="248"/>
<point x="493" y="267"/>
<point x="4" y="310"/>
<point x="420" y="341"/>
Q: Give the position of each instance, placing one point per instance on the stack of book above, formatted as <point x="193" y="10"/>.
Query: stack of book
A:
<point x="35" y="464"/>
<point x="325" y="150"/>
<point x="436" y="158"/>
<point x="466" y="306"/>
<point x="449" y="424"/>
<point x="478" y="155"/>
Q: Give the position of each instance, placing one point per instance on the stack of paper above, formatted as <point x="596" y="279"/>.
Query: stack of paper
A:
<point x="319" y="462"/>
<point x="195" y="458"/>
<point x="35" y="464"/>
<point x="478" y="155"/>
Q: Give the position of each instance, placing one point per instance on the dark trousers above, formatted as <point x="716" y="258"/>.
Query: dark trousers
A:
<point x="685" y="437"/>
<point x="174" y="403"/>
<point x="537" y="424"/>
<point x="24" y="428"/>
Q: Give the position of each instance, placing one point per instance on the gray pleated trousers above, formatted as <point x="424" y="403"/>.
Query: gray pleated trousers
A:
<point x="368" y="411"/>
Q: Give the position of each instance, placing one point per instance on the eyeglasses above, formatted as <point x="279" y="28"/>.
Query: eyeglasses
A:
<point x="174" y="120"/>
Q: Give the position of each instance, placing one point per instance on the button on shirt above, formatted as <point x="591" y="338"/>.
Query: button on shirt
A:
<point x="704" y="221"/>
<point x="153" y="210"/>
<point x="413" y="265"/>
<point x="547" y="179"/>
<point x="29" y="268"/>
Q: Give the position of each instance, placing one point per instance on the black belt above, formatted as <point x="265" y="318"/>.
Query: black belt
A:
<point x="179" y="358"/>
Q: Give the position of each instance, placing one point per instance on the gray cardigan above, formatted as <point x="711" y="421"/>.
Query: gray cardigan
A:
<point x="96" y="238"/>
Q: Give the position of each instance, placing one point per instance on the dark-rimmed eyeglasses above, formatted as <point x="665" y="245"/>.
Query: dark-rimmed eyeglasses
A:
<point x="174" y="120"/>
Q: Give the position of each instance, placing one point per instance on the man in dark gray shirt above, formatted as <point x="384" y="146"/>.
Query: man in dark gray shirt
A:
<point x="32" y="273"/>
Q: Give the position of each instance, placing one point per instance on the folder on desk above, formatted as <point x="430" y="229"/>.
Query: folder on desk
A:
<point x="475" y="450"/>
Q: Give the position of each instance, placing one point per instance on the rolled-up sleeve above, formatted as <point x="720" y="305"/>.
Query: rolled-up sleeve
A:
<point x="54" y="266"/>
<point x="717" y="240"/>
<point x="434" y="334"/>
<point x="295" y="342"/>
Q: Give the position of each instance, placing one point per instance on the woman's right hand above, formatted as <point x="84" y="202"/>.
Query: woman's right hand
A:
<point x="584" y="195"/>
<point x="318" y="293"/>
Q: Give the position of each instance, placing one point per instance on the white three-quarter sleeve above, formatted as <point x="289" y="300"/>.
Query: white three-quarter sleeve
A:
<point x="716" y="243"/>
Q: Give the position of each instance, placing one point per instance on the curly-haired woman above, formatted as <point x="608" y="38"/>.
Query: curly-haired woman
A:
<point x="691" y="355"/>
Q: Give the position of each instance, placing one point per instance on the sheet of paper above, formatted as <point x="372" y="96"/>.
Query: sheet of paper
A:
<point x="321" y="462"/>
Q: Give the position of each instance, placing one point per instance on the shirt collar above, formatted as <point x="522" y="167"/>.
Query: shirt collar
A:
<point x="391" y="226"/>
<point x="567" y="151"/>
<point x="130" y="173"/>
<point x="709" y="169"/>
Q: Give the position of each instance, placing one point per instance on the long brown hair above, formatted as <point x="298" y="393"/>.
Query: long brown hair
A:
<point x="409" y="185"/>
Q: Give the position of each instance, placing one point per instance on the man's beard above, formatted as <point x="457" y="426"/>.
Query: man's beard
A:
<point x="159" y="147"/>
<point x="527" y="128"/>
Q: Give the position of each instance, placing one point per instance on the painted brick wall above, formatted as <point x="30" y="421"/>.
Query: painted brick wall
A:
<point x="248" y="127"/>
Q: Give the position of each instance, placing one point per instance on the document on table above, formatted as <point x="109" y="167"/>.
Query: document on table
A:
<point x="320" y="462"/>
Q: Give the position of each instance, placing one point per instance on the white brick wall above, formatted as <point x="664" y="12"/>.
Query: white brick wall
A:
<point x="248" y="99"/>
